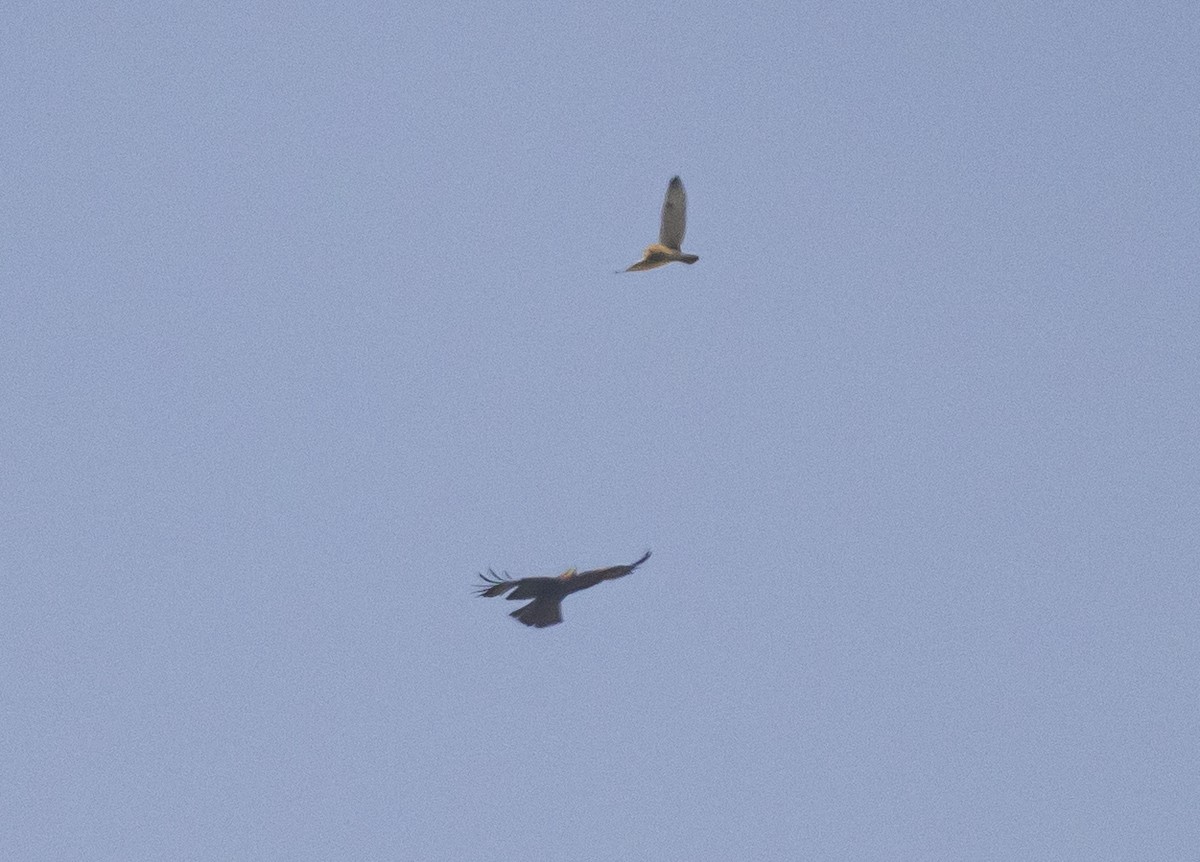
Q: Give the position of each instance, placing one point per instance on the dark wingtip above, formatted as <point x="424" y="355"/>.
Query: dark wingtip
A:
<point x="676" y="181"/>
<point x="492" y="578"/>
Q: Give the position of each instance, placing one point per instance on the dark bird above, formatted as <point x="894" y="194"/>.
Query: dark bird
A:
<point x="548" y="593"/>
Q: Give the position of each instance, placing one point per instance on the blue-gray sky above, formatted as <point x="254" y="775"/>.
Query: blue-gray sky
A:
<point x="309" y="315"/>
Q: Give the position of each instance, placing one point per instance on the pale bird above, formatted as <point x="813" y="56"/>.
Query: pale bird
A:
<point x="670" y="234"/>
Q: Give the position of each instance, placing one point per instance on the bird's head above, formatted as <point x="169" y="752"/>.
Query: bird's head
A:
<point x="568" y="574"/>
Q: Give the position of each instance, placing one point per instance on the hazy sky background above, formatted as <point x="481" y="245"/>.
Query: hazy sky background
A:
<point x="308" y="314"/>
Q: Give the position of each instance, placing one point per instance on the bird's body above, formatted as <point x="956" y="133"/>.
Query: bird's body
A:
<point x="670" y="233"/>
<point x="548" y="593"/>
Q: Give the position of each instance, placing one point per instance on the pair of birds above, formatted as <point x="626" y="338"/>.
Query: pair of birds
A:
<point x="548" y="593"/>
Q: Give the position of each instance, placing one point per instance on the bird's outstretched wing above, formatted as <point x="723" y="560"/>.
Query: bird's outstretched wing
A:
<point x="674" y="215"/>
<point x="583" y="580"/>
<point x="522" y="588"/>
<point x="494" y="585"/>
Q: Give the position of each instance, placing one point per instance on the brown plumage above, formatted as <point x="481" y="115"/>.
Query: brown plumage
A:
<point x="548" y="593"/>
<point x="670" y="232"/>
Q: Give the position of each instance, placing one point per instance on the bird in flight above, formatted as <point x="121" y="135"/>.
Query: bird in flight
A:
<point x="548" y="593"/>
<point x="670" y="234"/>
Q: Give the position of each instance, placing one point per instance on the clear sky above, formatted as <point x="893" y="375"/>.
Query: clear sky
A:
<point x="308" y="314"/>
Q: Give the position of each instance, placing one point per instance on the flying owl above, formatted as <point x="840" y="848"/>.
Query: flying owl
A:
<point x="670" y="235"/>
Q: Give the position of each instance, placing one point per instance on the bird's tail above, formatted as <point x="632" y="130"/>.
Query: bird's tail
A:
<point x="539" y="613"/>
